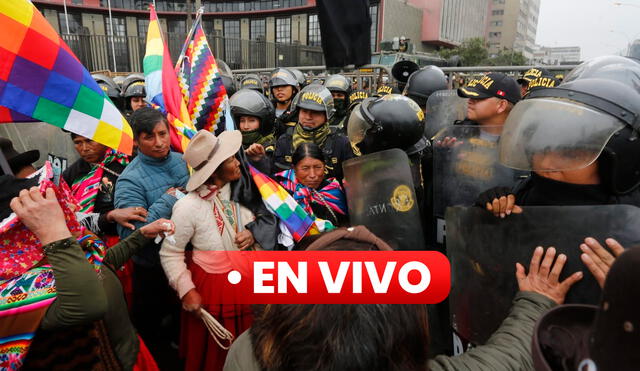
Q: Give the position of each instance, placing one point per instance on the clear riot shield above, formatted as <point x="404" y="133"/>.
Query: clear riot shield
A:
<point x="465" y="164"/>
<point x="444" y="107"/>
<point x="381" y="196"/>
<point x="53" y="143"/>
<point x="483" y="251"/>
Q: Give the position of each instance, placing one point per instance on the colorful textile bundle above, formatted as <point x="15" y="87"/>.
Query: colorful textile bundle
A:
<point x="26" y="289"/>
<point x="86" y="189"/>
<point x="330" y="195"/>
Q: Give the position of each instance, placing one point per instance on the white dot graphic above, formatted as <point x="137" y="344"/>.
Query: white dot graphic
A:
<point x="234" y="277"/>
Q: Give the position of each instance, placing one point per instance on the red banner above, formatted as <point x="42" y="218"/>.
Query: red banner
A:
<point x="335" y="277"/>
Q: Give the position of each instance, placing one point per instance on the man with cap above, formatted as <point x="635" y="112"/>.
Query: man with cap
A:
<point x="537" y="77"/>
<point x="491" y="98"/>
<point x="314" y="106"/>
<point x="21" y="164"/>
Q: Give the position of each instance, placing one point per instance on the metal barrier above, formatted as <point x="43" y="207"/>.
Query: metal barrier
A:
<point x="96" y="53"/>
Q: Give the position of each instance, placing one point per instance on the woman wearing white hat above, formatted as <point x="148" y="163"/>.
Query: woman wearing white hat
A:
<point x="208" y="220"/>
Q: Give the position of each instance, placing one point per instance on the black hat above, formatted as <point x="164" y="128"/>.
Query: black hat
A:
<point x="532" y="74"/>
<point x="16" y="159"/>
<point x="604" y="337"/>
<point x="494" y="84"/>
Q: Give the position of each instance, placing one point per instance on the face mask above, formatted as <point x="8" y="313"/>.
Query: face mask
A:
<point x="340" y="105"/>
<point x="250" y="137"/>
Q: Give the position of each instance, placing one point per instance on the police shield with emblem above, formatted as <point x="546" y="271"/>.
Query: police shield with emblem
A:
<point x="466" y="163"/>
<point x="483" y="251"/>
<point x="444" y="107"/>
<point x="381" y="196"/>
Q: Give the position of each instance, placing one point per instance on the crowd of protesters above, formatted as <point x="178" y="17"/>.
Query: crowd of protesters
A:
<point x="132" y="301"/>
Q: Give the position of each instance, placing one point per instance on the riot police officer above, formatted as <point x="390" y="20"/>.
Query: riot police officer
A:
<point x="340" y="89"/>
<point x="314" y="107"/>
<point x="579" y="140"/>
<point x="535" y="78"/>
<point x="134" y="92"/>
<point x="300" y="77"/>
<point x="422" y="83"/>
<point x="109" y="87"/>
<point x="392" y="121"/>
<point x="254" y="114"/>
<point x="252" y="81"/>
<point x="283" y="87"/>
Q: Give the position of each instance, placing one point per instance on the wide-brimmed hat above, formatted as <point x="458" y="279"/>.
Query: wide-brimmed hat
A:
<point x="16" y="159"/>
<point x="206" y="152"/>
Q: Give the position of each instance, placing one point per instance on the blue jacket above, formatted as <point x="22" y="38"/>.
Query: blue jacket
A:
<point x="144" y="183"/>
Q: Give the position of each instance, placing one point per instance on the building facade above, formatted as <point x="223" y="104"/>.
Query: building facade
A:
<point x="245" y="34"/>
<point x="513" y="25"/>
<point x="557" y="55"/>
<point x="447" y="23"/>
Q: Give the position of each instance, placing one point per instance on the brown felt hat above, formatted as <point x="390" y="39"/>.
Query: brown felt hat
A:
<point x="206" y="152"/>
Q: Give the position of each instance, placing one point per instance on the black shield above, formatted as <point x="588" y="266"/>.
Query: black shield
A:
<point x="381" y="196"/>
<point x="483" y="251"/>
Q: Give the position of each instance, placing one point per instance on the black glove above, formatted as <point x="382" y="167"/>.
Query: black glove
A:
<point x="490" y="194"/>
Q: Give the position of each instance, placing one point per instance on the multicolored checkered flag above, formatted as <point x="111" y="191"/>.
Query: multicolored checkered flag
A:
<point x="41" y="79"/>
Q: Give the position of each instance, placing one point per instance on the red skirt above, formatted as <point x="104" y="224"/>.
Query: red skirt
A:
<point x="125" y="273"/>
<point x="199" y="349"/>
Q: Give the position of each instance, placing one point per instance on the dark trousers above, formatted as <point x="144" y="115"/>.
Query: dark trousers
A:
<point x="156" y="315"/>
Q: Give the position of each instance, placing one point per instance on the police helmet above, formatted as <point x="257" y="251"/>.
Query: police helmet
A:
<point x="223" y="68"/>
<point x="338" y="83"/>
<point x="386" y="89"/>
<point x="249" y="102"/>
<point x="357" y="97"/>
<point x="422" y="83"/>
<point x="229" y="84"/>
<point x="107" y="85"/>
<point x="315" y="97"/>
<point x="133" y="86"/>
<point x="119" y="80"/>
<point x="593" y="115"/>
<point x="252" y="81"/>
<point x="302" y="81"/>
<point x="392" y="121"/>
<point x="282" y="77"/>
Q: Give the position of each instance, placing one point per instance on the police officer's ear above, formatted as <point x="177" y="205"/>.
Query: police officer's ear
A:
<point x="504" y="106"/>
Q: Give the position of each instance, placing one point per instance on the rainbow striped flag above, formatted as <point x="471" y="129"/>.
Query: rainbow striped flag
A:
<point x="163" y="90"/>
<point x="200" y="80"/>
<point x="41" y="79"/>
<point x="282" y="205"/>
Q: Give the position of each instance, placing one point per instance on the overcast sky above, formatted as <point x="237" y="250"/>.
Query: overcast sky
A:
<point x="597" y="26"/>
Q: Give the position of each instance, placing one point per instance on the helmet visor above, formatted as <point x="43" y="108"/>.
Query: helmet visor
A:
<point x="552" y="134"/>
<point x="357" y="126"/>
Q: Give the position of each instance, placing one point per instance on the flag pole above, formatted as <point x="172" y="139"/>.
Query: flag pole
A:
<point x="113" y="48"/>
<point x="4" y="164"/>
<point x="190" y="35"/>
<point x="66" y="15"/>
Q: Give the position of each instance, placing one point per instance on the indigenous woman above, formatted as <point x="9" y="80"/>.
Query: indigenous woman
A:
<point x="254" y="114"/>
<point x="320" y="197"/>
<point x="211" y="223"/>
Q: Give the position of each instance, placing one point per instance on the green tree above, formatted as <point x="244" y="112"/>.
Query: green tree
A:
<point x="472" y="52"/>
<point x="507" y="57"/>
